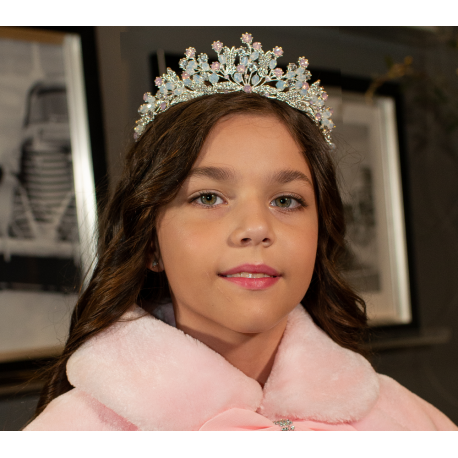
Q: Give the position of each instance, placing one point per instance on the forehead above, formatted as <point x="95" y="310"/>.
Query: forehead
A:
<point x="252" y="144"/>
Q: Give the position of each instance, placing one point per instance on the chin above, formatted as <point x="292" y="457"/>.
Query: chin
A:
<point x="256" y="320"/>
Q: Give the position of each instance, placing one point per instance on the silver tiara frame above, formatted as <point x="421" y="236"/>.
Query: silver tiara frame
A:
<point x="247" y="68"/>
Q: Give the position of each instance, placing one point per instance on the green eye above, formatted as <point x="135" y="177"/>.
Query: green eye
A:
<point x="208" y="199"/>
<point x="283" y="202"/>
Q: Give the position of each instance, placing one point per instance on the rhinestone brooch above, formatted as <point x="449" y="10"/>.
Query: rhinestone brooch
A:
<point x="285" y="424"/>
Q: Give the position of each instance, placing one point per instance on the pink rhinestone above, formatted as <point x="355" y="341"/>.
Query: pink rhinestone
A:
<point x="190" y="52"/>
<point x="331" y="111"/>
<point x="158" y="81"/>
<point x="163" y="106"/>
<point x="217" y="46"/>
<point x="241" y="68"/>
<point x="185" y="75"/>
<point x="257" y="45"/>
<point x="303" y="62"/>
<point x="318" y="116"/>
<point x="247" y="38"/>
<point x="136" y="136"/>
<point x="324" y="96"/>
<point x="247" y="88"/>
<point x="278" y="51"/>
<point x="216" y="66"/>
<point x="278" y="72"/>
<point x="305" y="86"/>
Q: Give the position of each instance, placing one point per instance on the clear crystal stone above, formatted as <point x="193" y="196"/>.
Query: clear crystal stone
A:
<point x="254" y="55"/>
<point x="255" y="79"/>
<point x="214" y="78"/>
<point x="280" y="85"/>
<point x="273" y="63"/>
<point x="328" y="124"/>
<point x="205" y="67"/>
<point x="244" y="60"/>
<point x="149" y="98"/>
<point x="222" y="59"/>
<point x="144" y="108"/>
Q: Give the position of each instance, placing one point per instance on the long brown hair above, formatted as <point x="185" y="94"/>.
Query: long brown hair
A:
<point x="154" y="170"/>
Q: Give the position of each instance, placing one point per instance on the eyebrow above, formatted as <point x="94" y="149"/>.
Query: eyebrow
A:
<point x="225" y="174"/>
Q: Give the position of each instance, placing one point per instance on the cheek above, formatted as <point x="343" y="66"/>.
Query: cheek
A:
<point x="301" y="248"/>
<point x="188" y="248"/>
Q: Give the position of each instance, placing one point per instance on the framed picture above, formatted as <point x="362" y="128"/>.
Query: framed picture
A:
<point x="370" y="179"/>
<point x="368" y="139"/>
<point x="48" y="211"/>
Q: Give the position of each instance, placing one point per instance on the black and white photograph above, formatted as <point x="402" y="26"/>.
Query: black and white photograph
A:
<point x="368" y="166"/>
<point x="40" y="250"/>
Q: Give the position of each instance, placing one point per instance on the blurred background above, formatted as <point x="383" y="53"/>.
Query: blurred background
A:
<point x="416" y="66"/>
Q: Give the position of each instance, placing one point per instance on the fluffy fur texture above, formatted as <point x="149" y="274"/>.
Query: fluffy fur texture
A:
<point x="145" y="374"/>
<point x="300" y="386"/>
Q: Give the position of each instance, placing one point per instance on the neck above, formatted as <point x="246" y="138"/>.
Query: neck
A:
<point x="253" y="354"/>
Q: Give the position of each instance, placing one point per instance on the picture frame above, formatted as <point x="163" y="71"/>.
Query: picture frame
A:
<point x="370" y="180"/>
<point x="51" y="182"/>
<point x="372" y="163"/>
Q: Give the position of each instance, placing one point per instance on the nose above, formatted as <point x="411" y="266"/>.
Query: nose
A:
<point x="253" y="226"/>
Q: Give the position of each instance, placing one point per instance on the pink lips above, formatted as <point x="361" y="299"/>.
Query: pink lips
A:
<point x="252" y="283"/>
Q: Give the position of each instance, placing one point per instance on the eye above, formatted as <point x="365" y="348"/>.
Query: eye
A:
<point x="208" y="199"/>
<point x="289" y="202"/>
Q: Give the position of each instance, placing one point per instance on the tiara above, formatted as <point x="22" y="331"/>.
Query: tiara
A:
<point x="247" y="69"/>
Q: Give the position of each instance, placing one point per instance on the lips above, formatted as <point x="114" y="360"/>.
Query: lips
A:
<point x="252" y="268"/>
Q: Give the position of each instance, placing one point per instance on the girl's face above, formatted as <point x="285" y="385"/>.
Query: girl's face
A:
<point x="248" y="201"/>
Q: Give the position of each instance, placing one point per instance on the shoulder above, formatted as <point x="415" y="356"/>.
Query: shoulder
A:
<point x="398" y="408"/>
<point x="77" y="411"/>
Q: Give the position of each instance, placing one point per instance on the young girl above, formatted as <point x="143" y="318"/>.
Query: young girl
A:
<point x="217" y="302"/>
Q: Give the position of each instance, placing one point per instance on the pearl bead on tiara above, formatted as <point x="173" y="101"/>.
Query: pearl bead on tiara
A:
<point x="247" y="69"/>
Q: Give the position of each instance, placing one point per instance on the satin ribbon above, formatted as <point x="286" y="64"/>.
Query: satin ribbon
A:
<point x="247" y="420"/>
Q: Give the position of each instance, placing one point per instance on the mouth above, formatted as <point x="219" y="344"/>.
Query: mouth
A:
<point x="251" y="271"/>
<point x="252" y="276"/>
<point x="248" y="275"/>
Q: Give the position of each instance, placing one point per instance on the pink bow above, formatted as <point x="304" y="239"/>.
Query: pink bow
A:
<point x="247" y="420"/>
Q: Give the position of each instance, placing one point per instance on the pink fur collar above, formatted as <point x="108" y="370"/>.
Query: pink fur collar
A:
<point x="159" y="378"/>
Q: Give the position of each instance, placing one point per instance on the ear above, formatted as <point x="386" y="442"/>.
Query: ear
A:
<point x="154" y="259"/>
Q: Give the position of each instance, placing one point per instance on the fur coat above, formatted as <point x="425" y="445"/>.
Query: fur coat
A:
<point x="145" y="374"/>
